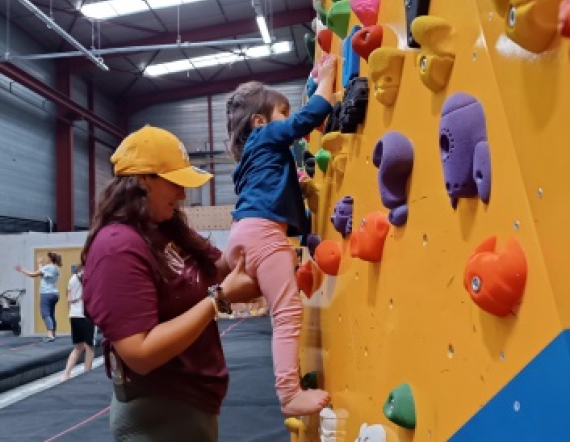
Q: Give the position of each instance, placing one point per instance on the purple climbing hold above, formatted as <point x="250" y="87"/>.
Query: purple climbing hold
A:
<point x="464" y="149"/>
<point x="313" y="240"/>
<point x="394" y="157"/>
<point x="482" y="170"/>
<point x="342" y="216"/>
<point x="399" y="215"/>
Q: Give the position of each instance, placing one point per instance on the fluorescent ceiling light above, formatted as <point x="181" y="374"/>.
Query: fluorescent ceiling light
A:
<point x="204" y="61"/>
<point x="116" y="8"/>
<point x="262" y="24"/>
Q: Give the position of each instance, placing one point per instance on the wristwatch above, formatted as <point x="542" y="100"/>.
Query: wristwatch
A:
<point x="217" y="294"/>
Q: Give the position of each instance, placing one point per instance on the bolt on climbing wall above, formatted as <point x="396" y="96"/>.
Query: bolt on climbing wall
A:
<point x="436" y="279"/>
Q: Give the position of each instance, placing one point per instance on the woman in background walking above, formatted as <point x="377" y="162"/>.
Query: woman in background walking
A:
<point x="49" y="293"/>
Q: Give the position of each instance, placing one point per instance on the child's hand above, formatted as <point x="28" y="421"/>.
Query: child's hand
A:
<point x="327" y="70"/>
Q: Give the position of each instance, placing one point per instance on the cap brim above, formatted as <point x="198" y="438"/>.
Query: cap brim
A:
<point x="187" y="177"/>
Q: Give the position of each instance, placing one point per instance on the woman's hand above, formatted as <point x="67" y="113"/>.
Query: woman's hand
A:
<point x="18" y="268"/>
<point x="238" y="285"/>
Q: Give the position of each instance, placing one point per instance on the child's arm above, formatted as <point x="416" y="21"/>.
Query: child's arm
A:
<point x="309" y="117"/>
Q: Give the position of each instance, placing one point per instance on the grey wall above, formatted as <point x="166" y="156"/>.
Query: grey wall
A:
<point x="27" y="149"/>
<point x="188" y="119"/>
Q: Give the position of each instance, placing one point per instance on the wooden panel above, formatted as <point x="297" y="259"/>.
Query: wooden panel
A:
<point x="210" y="217"/>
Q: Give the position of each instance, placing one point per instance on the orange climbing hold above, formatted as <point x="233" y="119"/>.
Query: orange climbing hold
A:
<point x="496" y="280"/>
<point x="309" y="278"/>
<point x="367" y="243"/>
<point x="365" y="41"/>
<point x="327" y="256"/>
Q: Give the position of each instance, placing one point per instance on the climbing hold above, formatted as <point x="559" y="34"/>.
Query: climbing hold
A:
<point x="309" y="163"/>
<point x="310" y="191"/>
<point x="415" y="9"/>
<point x="311" y="86"/>
<point x="496" y="280"/>
<point x="339" y="163"/>
<point x="502" y="6"/>
<point x="367" y="243"/>
<point x="351" y="63"/>
<point x="464" y="148"/>
<point x="372" y="433"/>
<point x="310" y="381"/>
<point x="309" y="278"/>
<point x="332" y="142"/>
<point x="324" y="38"/>
<point x="319" y="6"/>
<point x="333" y="122"/>
<point x="322" y="157"/>
<point x="400" y="408"/>
<point x="533" y="24"/>
<point x="327" y="257"/>
<point x="342" y="216"/>
<point x="385" y="67"/>
<point x="338" y="17"/>
<point x="332" y="426"/>
<point x="310" y="45"/>
<point x="313" y="240"/>
<point x="436" y="57"/>
<point x="366" y="11"/>
<point x="367" y="40"/>
<point x="393" y="155"/>
<point x="294" y="425"/>
<point x="354" y="104"/>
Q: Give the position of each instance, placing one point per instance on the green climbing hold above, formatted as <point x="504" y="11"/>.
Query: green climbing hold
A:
<point x="400" y="408"/>
<point x="321" y="10"/>
<point x="310" y="380"/>
<point x="338" y="18"/>
<point x="322" y="157"/>
<point x="310" y="45"/>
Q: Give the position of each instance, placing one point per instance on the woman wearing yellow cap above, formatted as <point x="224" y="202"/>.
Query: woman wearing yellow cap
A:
<point x="149" y="285"/>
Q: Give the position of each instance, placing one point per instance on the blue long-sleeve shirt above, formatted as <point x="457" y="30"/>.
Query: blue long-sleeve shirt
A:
<point x="265" y="179"/>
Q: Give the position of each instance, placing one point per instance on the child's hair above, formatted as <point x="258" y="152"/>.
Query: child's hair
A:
<point x="246" y="101"/>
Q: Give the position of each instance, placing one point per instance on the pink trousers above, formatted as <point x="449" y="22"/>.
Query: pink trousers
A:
<point x="271" y="259"/>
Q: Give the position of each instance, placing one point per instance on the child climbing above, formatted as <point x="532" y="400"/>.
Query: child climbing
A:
<point x="269" y="208"/>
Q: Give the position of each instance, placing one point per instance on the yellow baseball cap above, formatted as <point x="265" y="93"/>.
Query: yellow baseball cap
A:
<point x="152" y="150"/>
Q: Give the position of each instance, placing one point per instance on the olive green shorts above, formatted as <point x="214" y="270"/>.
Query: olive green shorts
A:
<point x="157" y="419"/>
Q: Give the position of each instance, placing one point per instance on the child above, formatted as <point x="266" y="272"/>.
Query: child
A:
<point x="269" y="208"/>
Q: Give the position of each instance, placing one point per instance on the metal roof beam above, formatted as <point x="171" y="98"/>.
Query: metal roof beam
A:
<point x="294" y="73"/>
<point x="228" y="30"/>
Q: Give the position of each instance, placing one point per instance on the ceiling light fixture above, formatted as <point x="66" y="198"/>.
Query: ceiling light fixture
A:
<point x="204" y="61"/>
<point x="117" y="8"/>
<point x="261" y="22"/>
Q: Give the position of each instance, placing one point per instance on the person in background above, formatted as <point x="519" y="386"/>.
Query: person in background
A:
<point x="154" y="286"/>
<point x="49" y="293"/>
<point x="269" y="208"/>
<point x="82" y="329"/>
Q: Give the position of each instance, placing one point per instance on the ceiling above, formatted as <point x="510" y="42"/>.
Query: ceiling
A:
<point x="202" y="21"/>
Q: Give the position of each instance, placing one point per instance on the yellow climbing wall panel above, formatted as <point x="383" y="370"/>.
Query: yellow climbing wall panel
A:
<point x="408" y="319"/>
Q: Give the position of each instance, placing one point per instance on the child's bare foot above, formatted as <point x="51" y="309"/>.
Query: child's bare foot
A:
<point x="306" y="402"/>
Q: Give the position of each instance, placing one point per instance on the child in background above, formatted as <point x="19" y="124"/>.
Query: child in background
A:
<point x="269" y="208"/>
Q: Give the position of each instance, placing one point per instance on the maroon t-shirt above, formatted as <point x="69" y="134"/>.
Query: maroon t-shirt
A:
<point x="125" y="294"/>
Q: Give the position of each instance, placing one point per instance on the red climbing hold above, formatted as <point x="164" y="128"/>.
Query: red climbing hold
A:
<point x="365" y="41"/>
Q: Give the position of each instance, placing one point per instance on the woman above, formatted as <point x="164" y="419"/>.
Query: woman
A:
<point x="149" y="285"/>
<point x="82" y="329"/>
<point x="49" y="293"/>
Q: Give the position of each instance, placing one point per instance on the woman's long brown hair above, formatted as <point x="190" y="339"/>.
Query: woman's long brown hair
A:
<point x="124" y="201"/>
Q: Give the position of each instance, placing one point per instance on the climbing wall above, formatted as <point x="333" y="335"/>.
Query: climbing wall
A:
<point x="436" y="283"/>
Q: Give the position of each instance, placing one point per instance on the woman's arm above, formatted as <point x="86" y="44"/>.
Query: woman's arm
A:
<point x="28" y="272"/>
<point x="144" y="352"/>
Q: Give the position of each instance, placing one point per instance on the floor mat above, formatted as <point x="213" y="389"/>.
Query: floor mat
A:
<point x="77" y="410"/>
